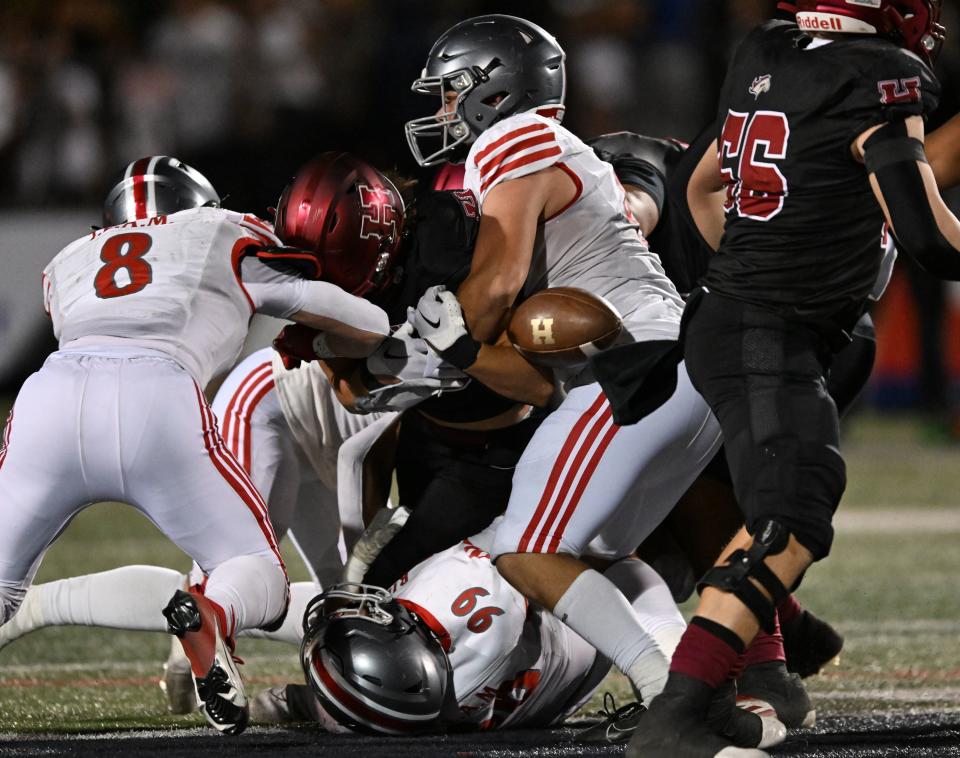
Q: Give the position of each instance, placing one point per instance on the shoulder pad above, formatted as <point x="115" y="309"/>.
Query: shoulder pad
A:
<point x="289" y="260"/>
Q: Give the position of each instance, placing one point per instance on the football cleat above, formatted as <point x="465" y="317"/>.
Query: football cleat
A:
<point x="676" y="726"/>
<point x="216" y="678"/>
<point x="744" y="727"/>
<point x="810" y="644"/>
<point x="618" y="724"/>
<point x="177" y="681"/>
<point x="287" y="704"/>
<point x="771" y="683"/>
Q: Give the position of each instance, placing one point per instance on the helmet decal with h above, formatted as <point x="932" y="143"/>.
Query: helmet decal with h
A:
<point x="155" y="186"/>
<point x="374" y="664"/>
<point x="485" y="69"/>
<point x="914" y="24"/>
<point x="347" y="214"/>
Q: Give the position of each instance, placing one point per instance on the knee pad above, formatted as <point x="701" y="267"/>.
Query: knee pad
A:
<point x="735" y="575"/>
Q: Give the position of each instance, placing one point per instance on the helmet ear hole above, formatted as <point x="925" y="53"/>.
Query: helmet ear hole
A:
<point x="414" y="689"/>
<point x="373" y="680"/>
<point x="334" y="220"/>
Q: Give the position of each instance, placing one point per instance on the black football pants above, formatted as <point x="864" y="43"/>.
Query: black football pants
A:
<point x="455" y="483"/>
<point x="763" y="377"/>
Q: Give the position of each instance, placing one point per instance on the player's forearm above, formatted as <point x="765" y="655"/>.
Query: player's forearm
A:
<point x="943" y="153"/>
<point x="906" y="189"/>
<point x="502" y="369"/>
<point x="341" y="339"/>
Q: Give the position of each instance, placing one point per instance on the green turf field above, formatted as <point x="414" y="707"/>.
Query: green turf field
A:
<point x="889" y="586"/>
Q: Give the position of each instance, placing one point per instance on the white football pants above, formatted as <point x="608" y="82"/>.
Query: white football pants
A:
<point x="133" y="426"/>
<point x="586" y="485"/>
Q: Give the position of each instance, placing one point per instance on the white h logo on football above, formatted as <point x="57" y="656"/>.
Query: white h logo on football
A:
<point x="542" y="331"/>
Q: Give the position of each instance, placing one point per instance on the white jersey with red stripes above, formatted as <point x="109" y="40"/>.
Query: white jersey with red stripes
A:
<point x="590" y="244"/>
<point x="287" y="430"/>
<point x="513" y="665"/>
<point x="318" y="421"/>
<point x="168" y="283"/>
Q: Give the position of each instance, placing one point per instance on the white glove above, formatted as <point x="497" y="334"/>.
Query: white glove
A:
<point x="376" y="537"/>
<point x="439" y="320"/>
<point x="405" y="394"/>
<point x="407" y="357"/>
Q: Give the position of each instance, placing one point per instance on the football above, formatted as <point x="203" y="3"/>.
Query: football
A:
<point x="563" y="326"/>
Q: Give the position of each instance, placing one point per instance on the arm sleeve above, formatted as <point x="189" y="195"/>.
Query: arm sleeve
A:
<point x="639" y="160"/>
<point x="275" y="293"/>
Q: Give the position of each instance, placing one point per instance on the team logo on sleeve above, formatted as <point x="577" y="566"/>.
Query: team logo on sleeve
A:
<point x="761" y="85"/>
<point x="896" y="91"/>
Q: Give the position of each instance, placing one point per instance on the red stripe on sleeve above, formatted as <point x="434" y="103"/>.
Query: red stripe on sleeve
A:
<point x="524" y="161"/>
<point x="494" y="146"/>
<point x="510" y="150"/>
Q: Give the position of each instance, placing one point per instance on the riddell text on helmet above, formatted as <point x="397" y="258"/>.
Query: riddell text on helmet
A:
<point x="820" y="23"/>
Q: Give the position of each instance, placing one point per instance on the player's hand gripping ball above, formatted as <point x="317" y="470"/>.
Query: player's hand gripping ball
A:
<point x="563" y="326"/>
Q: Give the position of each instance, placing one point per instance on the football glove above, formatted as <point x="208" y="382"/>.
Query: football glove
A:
<point x="406" y="357"/>
<point x="383" y="528"/>
<point x="439" y="320"/>
<point x="405" y="394"/>
<point x="297" y="343"/>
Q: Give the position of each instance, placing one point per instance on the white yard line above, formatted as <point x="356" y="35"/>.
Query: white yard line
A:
<point x="904" y="519"/>
<point x="87" y="667"/>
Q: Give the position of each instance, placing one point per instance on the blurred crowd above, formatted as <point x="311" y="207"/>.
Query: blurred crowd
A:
<point x="248" y="89"/>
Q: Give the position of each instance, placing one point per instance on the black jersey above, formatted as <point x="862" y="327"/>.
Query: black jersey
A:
<point x="662" y="169"/>
<point x="802" y="223"/>
<point x="439" y="251"/>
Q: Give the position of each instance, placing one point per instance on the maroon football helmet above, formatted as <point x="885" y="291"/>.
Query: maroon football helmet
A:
<point x="914" y="23"/>
<point x="349" y="215"/>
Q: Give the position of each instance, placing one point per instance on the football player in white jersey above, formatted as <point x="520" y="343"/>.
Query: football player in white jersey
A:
<point x="553" y="214"/>
<point x="510" y="663"/>
<point x="147" y="310"/>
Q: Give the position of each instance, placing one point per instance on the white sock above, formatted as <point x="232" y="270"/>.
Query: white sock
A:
<point x="596" y="610"/>
<point x="291" y="630"/>
<point x="131" y="597"/>
<point x="659" y="616"/>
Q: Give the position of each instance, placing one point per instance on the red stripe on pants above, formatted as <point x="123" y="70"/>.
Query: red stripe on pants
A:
<point x="557" y="470"/>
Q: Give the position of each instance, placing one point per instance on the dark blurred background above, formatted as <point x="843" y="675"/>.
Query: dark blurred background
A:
<point x="246" y="90"/>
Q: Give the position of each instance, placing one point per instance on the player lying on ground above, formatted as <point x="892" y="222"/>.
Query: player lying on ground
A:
<point x="147" y="310"/>
<point x="778" y="298"/>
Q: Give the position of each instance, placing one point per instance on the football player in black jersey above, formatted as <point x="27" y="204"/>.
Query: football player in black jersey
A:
<point x="810" y="124"/>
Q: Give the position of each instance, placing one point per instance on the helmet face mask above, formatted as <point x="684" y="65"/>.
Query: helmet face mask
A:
<point x="448" y="125"/>
<point x="373" y="664"/>
<point x="485" y="69"/>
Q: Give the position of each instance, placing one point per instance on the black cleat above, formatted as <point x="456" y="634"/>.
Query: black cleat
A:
<point x="676" y="726"/>
<point x="618" y="724"/>
<point x="744" y="727"/>
<point x="810" y="644"/>
<point x="772" y="683"/>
